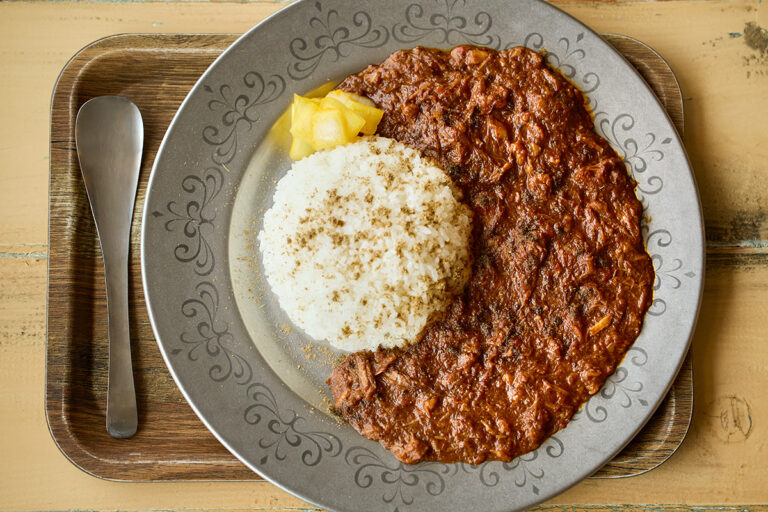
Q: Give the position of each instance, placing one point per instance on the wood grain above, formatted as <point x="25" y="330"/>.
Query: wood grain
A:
<point x="156" y="72"/>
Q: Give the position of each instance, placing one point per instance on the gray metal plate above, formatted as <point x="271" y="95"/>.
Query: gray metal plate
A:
<point x="256" y="381"/>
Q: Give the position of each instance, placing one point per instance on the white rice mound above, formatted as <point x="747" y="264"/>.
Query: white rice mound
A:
<point x="366" y="243"/>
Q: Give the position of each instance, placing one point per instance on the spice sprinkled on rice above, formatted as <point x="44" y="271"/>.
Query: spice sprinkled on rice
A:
<point x="366" y="243"/>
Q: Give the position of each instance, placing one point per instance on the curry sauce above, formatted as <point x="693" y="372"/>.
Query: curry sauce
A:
<point x="561" y="279"/>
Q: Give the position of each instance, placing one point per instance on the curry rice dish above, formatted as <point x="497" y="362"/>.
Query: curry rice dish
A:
<point x="560" y="280"/>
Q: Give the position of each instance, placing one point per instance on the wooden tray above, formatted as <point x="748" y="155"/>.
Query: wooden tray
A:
<point x="156" y="72"/>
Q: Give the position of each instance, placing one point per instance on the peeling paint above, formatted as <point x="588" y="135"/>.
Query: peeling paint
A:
<point x="34" y="255"/>
<point x="756" y="37"/>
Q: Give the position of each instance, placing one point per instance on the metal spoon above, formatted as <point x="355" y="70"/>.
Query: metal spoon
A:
<point x="110" y="135"/>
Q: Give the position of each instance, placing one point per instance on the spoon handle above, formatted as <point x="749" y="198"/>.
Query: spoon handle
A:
<point x="122" y="418"/>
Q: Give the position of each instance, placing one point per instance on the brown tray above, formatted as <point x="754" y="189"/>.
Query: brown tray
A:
<point x="156" y="72"/>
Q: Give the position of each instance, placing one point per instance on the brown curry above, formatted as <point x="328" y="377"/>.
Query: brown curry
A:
<point x="560" y="281"/>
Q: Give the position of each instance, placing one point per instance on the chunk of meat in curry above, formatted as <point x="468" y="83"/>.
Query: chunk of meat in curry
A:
<point x="560" y="281"/>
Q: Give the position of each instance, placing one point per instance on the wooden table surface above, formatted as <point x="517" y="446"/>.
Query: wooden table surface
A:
<point x="721" y="59"/>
